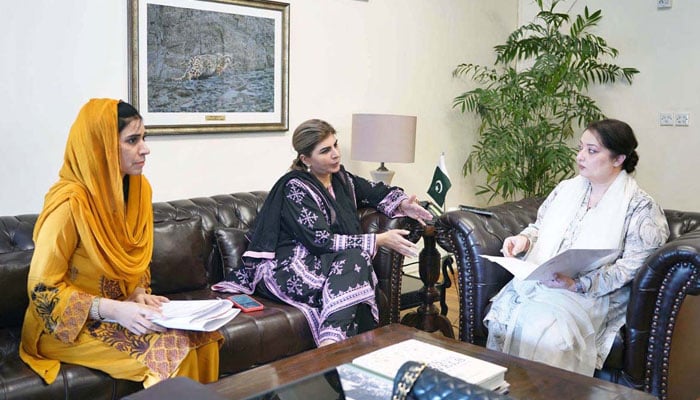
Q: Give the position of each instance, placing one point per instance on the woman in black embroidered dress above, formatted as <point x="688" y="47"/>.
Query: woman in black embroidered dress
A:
<point x="307" y="246"/>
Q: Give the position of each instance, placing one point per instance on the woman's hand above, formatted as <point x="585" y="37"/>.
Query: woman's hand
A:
<point x="136" y="317"/>
<point x="140" y="296"/>
<point x="395" y="240"/>
<point x="514" y="245"/>
<point x="411" y="208"/>
<point x="560" y="281"/>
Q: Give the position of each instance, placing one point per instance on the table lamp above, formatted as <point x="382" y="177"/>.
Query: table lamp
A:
<point x="383" y="138"/>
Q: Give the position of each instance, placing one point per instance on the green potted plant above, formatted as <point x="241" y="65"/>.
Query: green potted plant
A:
<point x="530" y="102"/>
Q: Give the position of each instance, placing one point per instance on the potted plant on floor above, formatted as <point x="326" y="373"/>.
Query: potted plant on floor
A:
<point x="532" y="99"/>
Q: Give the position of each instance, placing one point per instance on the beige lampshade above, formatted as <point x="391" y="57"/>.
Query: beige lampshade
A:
<point x="383" y="138"/>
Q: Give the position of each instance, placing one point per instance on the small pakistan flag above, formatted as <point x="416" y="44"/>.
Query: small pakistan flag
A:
<point x="441" y="182"/>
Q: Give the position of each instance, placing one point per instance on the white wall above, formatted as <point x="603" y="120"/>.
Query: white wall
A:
<point x="346" y="56"/>
<point x="662" y="45"/>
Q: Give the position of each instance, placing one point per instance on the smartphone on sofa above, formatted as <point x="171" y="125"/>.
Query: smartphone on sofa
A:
<point x="245" y="303"/>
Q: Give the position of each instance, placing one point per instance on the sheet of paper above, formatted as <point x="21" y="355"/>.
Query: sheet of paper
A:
<point x="519" y="268"/>
<point x="196" y="315"/>
<point x="572" y="262"/>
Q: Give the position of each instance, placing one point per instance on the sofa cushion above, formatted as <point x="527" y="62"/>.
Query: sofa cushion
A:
<point x="231" y="243"/>
<point x="13" y="286"/>
<point x="178" y="256"/>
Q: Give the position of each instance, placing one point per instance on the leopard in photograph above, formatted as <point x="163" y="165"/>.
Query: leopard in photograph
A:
<point x="205" y="65"/>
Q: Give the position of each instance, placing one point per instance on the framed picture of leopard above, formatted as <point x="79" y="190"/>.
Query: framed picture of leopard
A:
<point x="200" y="66"/>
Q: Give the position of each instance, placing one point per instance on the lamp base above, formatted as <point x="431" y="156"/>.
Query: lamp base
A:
<point x="385" y="175"/>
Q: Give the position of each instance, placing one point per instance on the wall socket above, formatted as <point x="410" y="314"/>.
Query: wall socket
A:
<point x="682" y="119"/>
<point x="663" y="3"/>
<point x="666" y="119"/>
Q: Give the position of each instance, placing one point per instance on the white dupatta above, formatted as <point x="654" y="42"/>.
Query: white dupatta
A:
<point x="601" y="227"/>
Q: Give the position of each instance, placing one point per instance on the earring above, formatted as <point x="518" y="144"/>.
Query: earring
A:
<point x="308" y="168"/>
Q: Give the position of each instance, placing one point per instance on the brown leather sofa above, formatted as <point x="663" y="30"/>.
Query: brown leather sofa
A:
<point x="640" y="353"/>
<point x="196" y="241"/>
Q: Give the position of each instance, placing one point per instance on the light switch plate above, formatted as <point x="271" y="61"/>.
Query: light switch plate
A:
<point x="663" y="3"/>
<point x="682" y="119"/>
<point x="665" y="119"/>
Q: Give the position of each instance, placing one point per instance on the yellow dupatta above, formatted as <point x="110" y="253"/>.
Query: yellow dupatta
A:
<point x="118" y="238"/>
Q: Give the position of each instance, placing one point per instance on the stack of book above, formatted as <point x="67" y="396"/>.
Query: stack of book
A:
<point x="371" y="376"/>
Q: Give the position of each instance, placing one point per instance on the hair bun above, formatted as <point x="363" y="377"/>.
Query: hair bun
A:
<point x="631" y="161"/>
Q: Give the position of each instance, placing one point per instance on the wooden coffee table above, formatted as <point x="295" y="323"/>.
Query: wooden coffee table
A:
<point x="528" y="379"/>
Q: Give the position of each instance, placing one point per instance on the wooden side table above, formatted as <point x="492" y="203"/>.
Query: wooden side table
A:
<point x="426" y="317"/>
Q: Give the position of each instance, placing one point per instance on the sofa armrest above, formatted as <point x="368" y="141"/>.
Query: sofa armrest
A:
<point x="657" y="293"/>
<point x="468" y="236"/>
<point x="387" y="263"/>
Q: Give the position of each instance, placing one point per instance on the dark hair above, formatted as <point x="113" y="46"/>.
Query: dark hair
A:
<point x="619" y="138"/>
<point x="305" y="138"/>
<point x="126" y="113"/>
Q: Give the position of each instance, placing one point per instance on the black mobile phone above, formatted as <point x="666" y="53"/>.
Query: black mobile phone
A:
<point x="476" y="210"/>
<point x="245" y="302"/>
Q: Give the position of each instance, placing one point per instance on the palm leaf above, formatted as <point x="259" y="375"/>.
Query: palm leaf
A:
<point x="528" y="115"/>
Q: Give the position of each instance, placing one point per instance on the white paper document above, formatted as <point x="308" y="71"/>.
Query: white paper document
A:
<point x="572" y="262"/>
<point x="388" y="360"/>
<point x="196" y="315"/>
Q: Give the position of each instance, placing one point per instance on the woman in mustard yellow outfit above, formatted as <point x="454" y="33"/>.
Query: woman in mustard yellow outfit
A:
<point x="90" y="301"/>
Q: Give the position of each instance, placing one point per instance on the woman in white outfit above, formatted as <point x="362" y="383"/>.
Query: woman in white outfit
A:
<point x="570" y="321"/>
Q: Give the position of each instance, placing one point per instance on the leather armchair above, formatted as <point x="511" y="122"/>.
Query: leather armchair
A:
<point x="640" y="354"/>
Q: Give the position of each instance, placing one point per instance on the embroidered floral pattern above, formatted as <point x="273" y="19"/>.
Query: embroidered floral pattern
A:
<point x="296" y="194"/>
<point x="337" y="267"/>
<point x="294" y="285"/>
<point x="284" y="265"/>
<point x="318" y="200"/>
<point x="73" y="317"/>
<point x="391" y="202"/>
<point x="170" y="348"/>
<point x="332" y="333"/>
<point x="111" y="288"/>
<point x="45" y="299"/>
<point x="120" y="338"/>
<point x="161" y="352"/>
<point x="364" y="242"/>
<point x="307" y="217"/>
<point x="322" y="237"/>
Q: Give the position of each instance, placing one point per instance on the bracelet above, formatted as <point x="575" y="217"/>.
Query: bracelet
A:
<point x="95" y="309"/>
<point x="578" y="286"/>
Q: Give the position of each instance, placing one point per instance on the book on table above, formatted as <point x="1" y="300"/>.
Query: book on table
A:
<point x="196" y="315"/>
<point x="387" y="361"/>
<point x="570" y="262"/>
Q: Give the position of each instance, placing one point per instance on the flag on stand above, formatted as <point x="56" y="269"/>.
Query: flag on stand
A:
<point x="441" y="182"/>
